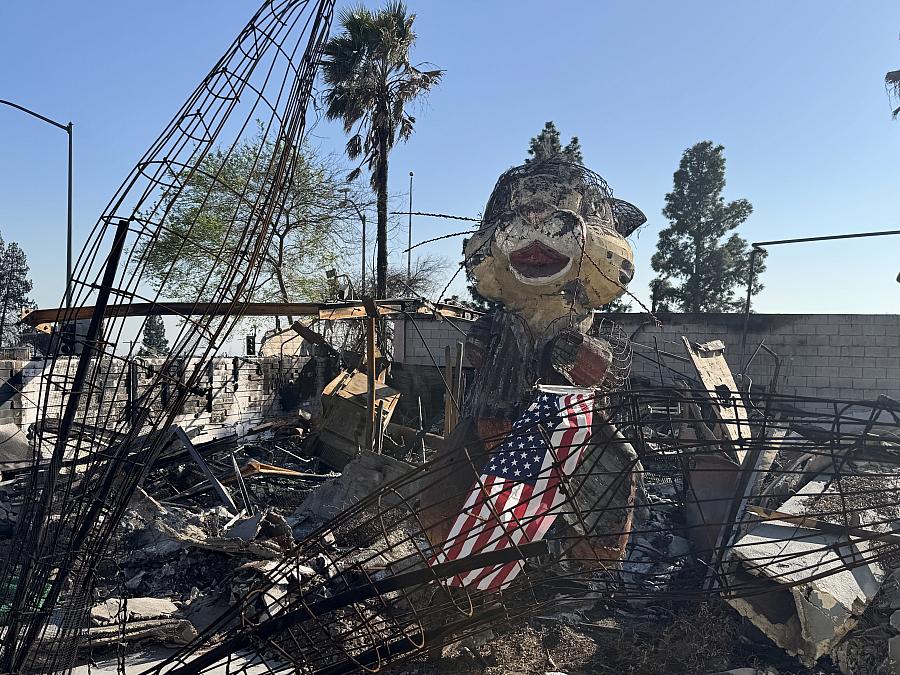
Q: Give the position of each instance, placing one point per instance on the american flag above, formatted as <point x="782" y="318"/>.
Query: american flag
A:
<point x="517" y="495"/>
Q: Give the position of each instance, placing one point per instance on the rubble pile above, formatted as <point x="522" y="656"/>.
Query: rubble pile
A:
<point x="772" y="534"/>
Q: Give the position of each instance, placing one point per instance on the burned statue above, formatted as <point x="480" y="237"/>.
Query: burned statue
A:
<point x="551" y="250"/>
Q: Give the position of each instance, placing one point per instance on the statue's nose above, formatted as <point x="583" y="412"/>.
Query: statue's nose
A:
<point x="626" y="272"/>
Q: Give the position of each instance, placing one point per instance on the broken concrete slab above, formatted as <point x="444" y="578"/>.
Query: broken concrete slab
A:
<point x="821" y="582"/>
<point x="134" y="609"/>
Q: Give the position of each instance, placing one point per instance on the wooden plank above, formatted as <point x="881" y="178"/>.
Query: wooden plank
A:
<point x="448" y="392"/>
<point x="325" y="311"/>
<point x="724" y="397"/>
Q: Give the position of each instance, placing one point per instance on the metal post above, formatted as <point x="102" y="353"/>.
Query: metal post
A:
<point x="370" y="358"/>
<point x="362" y="291"/>
<point x="69" y="226"/>
<point x="753" y="251"/>
<point x="409" y="235"/>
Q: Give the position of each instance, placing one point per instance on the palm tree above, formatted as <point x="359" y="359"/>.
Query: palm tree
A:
<point x="369" y="81"/>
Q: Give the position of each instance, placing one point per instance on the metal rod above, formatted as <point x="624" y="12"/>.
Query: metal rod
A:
<point x="92" y="339"/>
<point x="409" y="233"/>
<point x="752" y="268"/>
<point x="207" y="472"/>
<point x="242" y="486"/>
<point x="370" y="365"/>
<point x="759" y="245"/>
<point x="830" y="237"/>
<point x="69" y="225"/>
<point x="276" y="625"/>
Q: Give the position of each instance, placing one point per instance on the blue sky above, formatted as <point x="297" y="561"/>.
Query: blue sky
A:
<point x="792" y="90"/>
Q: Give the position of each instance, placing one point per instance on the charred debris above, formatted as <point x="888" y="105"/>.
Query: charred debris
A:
<point x="704" y="515"/>
<point x="545" y="512"/>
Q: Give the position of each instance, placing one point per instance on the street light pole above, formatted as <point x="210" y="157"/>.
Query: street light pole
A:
<point x="68" y="129"/>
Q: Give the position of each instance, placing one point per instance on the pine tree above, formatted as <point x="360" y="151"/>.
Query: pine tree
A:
<point x="15" y="286"/>
<point x="154" y="342"/>
<point x="697" y="270"/>
<point x="547" y="144"/>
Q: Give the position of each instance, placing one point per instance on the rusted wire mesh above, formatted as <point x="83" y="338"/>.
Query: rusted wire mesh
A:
<point x="368" y="589"/>
<point x="266" y="75"/>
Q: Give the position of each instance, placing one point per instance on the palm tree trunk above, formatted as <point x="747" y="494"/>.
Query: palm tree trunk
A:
<point x="381" y="265"/>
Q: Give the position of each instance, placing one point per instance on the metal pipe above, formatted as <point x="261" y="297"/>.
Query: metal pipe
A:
<point x="758" y="246"/>
<point x="830" y="237"/>
<point x="69" y="225"/>
<point x="752" y="268"/>
<point x="409" y="234"/>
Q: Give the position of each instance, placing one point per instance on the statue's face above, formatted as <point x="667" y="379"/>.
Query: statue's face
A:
<point x="541" y="245"/>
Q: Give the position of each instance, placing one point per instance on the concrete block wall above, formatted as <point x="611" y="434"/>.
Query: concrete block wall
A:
<point x="843" y="356"/>
<point x="435" y="335"/>
<point x="238" y="392"/>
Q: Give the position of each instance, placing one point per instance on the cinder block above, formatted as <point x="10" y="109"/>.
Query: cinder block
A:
<point x="850" y="329"/>
<point x="828" y="351"/>
<point x="887" y="340"/>
<point x="854" y="350"/>
<point x="827" y="371"/>
<point x="875" y="350"/>
<point x="818" y="382"/>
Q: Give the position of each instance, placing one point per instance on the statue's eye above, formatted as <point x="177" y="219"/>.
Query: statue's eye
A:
<point x="565" y="222"/>
<point x="626" y="272"/>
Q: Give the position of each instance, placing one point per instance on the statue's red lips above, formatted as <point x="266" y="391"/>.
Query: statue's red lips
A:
<point x="538" y="260"/>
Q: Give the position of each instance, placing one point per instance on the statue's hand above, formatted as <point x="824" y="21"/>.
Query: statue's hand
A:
<point x="582" y="359"/>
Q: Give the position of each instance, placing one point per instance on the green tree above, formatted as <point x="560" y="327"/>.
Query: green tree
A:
<point x="369" y="82"/>
<point x="547" y="144"/>
<point x="312" y="233"/>
<point x="892" y="84"/>
<point x="15" y="285"/>
<point x="153" y="339"/>
<point x="698" y="269"/>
